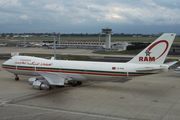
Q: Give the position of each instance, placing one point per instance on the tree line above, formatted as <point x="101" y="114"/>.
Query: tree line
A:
<point x="76" y="34"/>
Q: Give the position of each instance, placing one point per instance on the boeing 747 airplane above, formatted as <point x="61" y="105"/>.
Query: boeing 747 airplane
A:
<point x="60" y="72"/>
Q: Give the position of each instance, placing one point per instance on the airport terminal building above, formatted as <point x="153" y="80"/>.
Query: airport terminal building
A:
<point x="115" y="46"/>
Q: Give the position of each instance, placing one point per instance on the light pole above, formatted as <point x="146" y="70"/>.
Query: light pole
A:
<point x="99" y="40"/>
<point x="54" y="48"/>
<point x="24" y="39"/>
<point x="59" y="39"/>
<point x="53" y="35"/>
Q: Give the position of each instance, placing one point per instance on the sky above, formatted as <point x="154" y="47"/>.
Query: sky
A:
<point x="90" y="16"/>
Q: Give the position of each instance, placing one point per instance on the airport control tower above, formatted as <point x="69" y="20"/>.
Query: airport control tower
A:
<point x="108" y="32"/>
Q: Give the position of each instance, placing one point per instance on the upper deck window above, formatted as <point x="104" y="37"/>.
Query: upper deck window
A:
<point x="24" y="60"/>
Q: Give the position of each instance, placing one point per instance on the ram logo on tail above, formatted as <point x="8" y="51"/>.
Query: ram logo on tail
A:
<point x="156" y="52"/>
<point x="150" y="58"/>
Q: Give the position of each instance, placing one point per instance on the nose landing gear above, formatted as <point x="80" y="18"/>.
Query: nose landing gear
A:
<point x="16" y="78"/>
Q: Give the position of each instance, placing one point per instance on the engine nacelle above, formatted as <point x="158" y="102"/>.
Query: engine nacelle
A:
<point x="33" y="79"/>
<point x="40" y="85"/>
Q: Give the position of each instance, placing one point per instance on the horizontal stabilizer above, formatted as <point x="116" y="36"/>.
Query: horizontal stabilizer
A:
<point x="171" y="63"/>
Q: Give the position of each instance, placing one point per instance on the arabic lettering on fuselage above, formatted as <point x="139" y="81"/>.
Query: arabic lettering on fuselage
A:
<point x="34" y="63"/>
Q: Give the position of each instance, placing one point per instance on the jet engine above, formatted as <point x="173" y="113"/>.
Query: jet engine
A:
<point x="39" y="83"/>
<point x="33" y="79"/>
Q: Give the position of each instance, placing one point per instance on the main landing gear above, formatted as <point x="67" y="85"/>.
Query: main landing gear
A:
<point x="16" y="78"/>
<point x="75" y="83"/>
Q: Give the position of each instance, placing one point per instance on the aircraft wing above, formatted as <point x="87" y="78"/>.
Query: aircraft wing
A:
<point x="53" y="79"/>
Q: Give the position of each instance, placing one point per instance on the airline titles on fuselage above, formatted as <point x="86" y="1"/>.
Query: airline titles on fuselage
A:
<point x="33" y="63"/>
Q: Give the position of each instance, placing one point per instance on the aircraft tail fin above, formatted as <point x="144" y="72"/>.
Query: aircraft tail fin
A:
<point x="156" y="52"/>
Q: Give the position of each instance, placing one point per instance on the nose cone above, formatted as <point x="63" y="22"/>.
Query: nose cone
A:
<point x="7" y="63"/>
<point x="4" y="64"/>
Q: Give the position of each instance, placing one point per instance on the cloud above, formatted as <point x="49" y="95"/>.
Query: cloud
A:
<point x="9" y="3"/>
<point x="23" y="17"/>
<point x="78" y="14"/>
<point x="95" y="10"/>
<point x="149" y="2"/>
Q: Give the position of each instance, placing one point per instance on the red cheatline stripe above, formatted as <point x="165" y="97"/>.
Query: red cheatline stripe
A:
<point x="30" y="69"/>
<point x="106" y="74"/>
<point x="48" y="70"/>
<point x="73" y="72"/>
<point x="8" y="67"/>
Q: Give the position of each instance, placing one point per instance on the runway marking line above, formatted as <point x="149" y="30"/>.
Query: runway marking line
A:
<point x="17" y="92"/>
<point x="102" y="89"/>
<point x="62" y="111"/>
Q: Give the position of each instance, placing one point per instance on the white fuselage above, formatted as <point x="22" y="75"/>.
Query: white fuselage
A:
<point x="77" y="70"/>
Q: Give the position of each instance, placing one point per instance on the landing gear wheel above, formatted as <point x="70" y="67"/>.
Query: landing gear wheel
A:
<point x="79" y="83"/>
<point x="50" y="88"/>
<point x="74" y="84"/>
<point x="16" y="78"/>
<point x="60" y="86"/>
